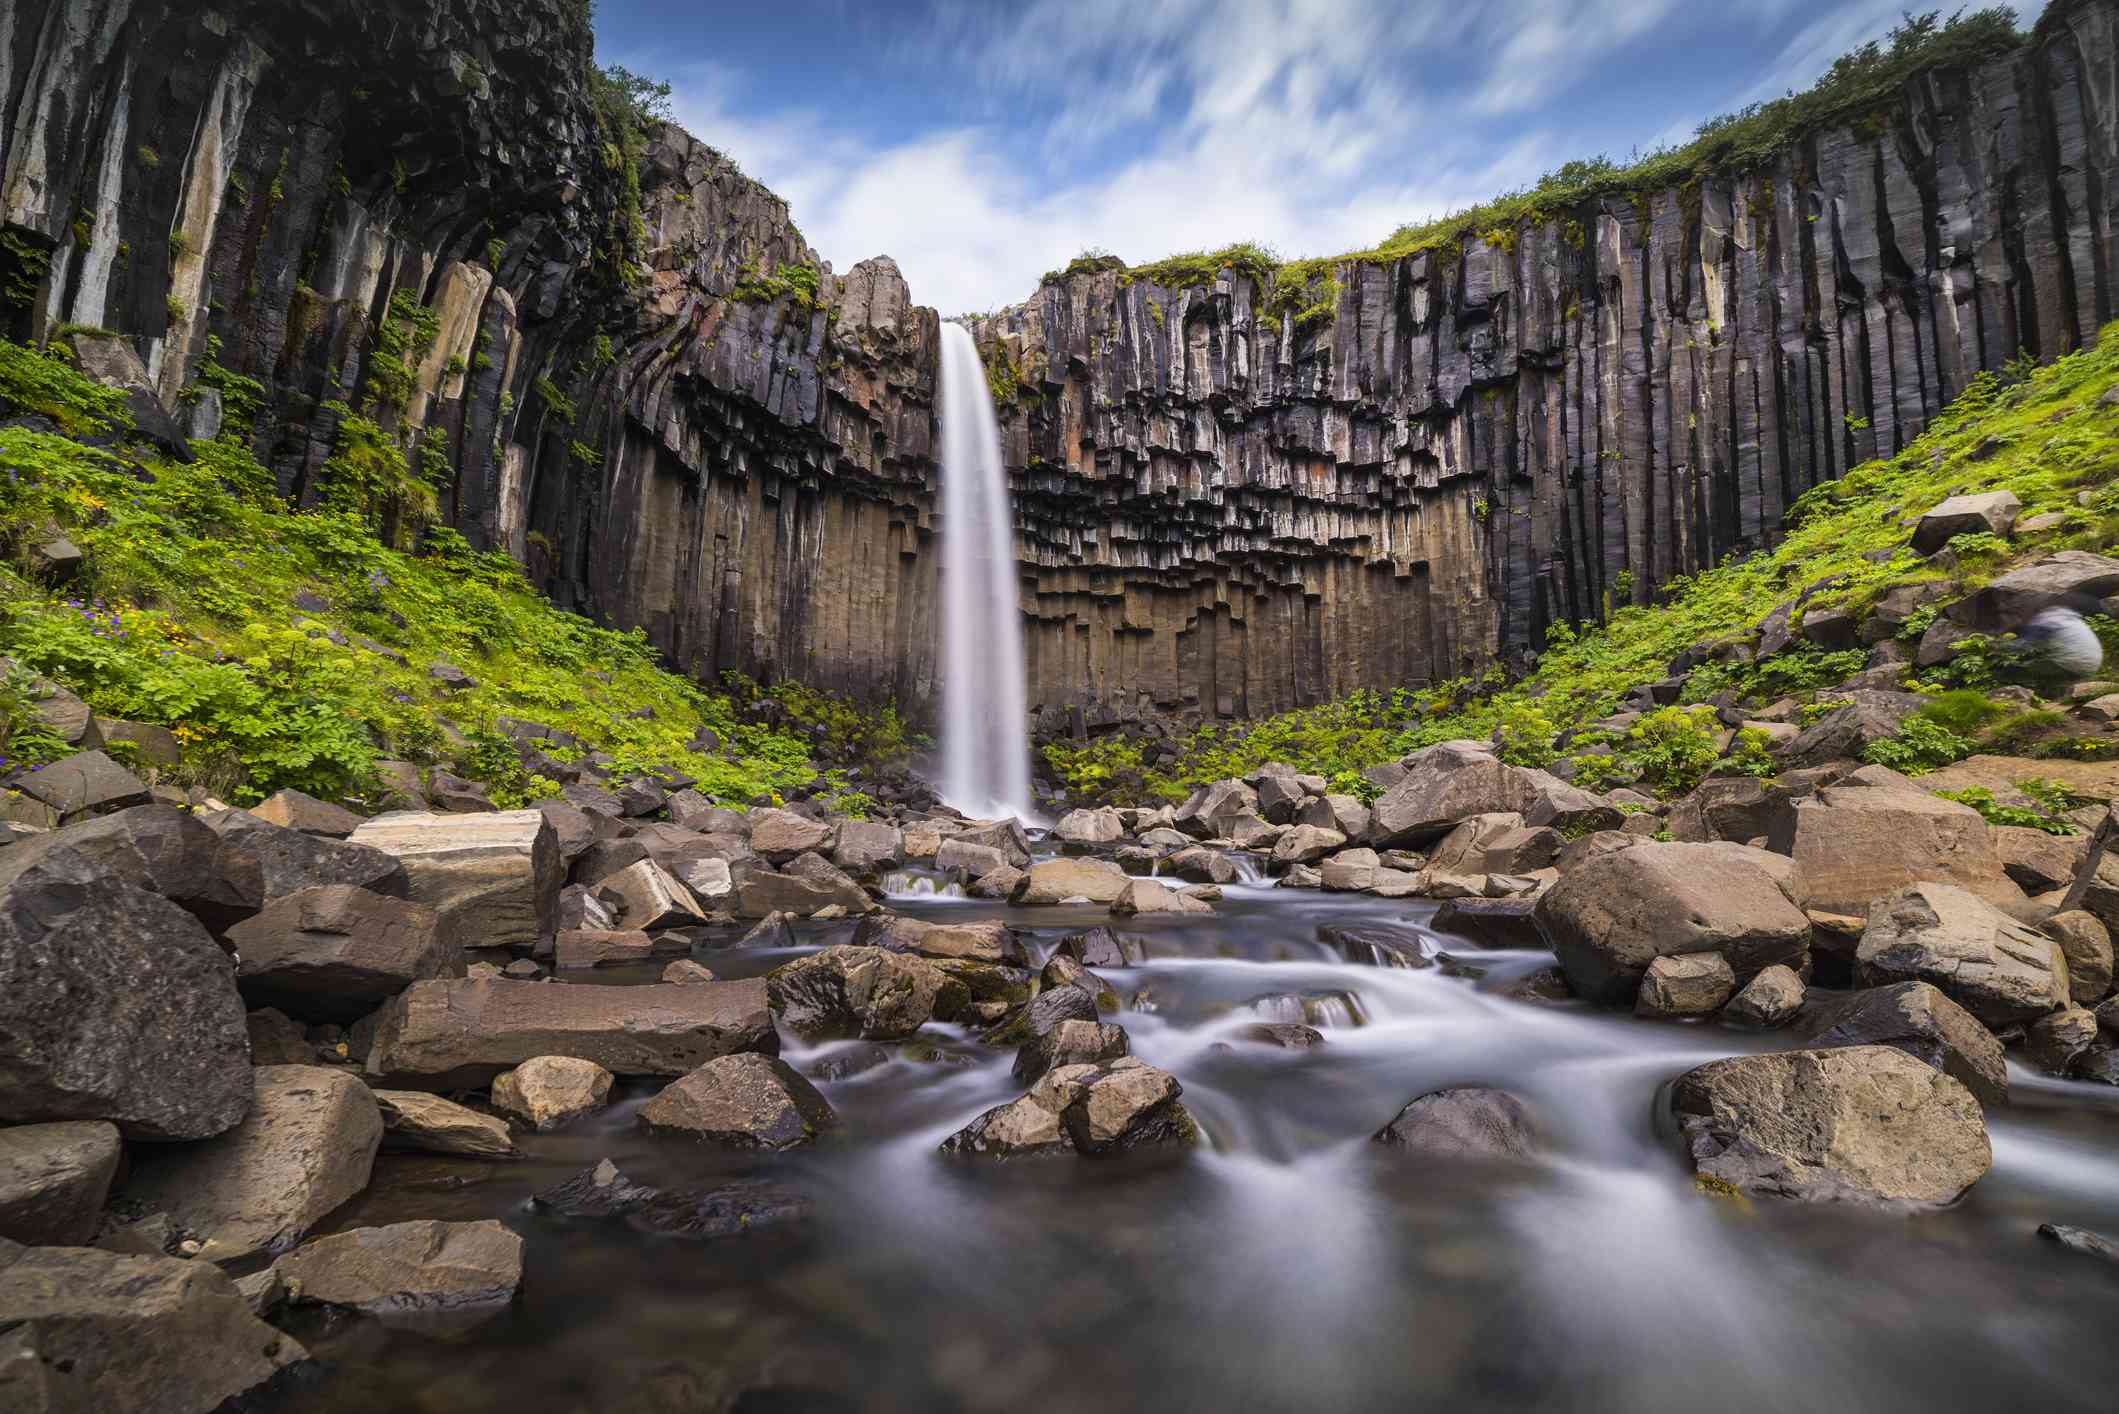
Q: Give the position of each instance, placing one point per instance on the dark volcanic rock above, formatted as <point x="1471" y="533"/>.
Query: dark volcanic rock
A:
<point x="337" y="953"/>
<point x="728" y="1210"/>
<point x="1464" y="1123"/>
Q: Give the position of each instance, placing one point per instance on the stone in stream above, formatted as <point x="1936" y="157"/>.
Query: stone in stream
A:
<point x="1102" y="947"/>
<point x="1093" y="1110"/>
<point x="761" y="894"/>
<point x="546" y="1092"/>
<point x="1918" y="1019"/>
<point x="53" y="1180"/>
<point x="1998" y="969"/>
<point x="1199" y="865"/>
<point x="1061" y="970"/>
<point x="1863" y="1124"/>
<point x="998" y="883"/>
<point x="1070" y="1042"/>
<point x="2054" y="1040"/>
<point x="686" y="971"/>
<point x="1618" y="912"/>
<point x="1304" y="844"/>
<point x="864" y="992"/>
<point x="1052" y="881"/>
<point x="971" y="942"/>
<point x="729" y="1210"/>
<point x="1287" y="1035"/>
<point x="742" y="1102"/>
<point x="972" y="861"/>
<point x="460" y="1035"/>
<point x="1320" y="1008"/>
<point x="1469" y="1122"/>
<point x="774" y="930"/>
<point x="441" y="1277"/>
<point x="1374" y="944"/>
<point x="2080" y="1239"/>
<point x="493" y="878"/>
<point x="1695" y="984"/>
<point x="647" y="898"/>
<point x="1768" y="1000"/>
<point x="416" y="1122"/>
<point x="1492" y="922"/>
<point x="90" y="1331"/>
<point x="1146" y="896"/>
<point x="336" y="953"/>
<point x="306" y="1147"/>
<point x="1089" y="827"/>
<point x="115" y="1004"/>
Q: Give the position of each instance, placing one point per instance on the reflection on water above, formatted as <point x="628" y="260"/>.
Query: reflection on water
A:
<point x="1292" y="1265"/>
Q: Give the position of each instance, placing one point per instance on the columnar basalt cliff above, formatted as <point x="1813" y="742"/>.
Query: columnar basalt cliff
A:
<point x="674" y="414"/>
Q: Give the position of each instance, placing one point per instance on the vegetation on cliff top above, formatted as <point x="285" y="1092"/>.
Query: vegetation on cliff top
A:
<point x="2050" y="435"/>
<point x="1859" y="89"/>
<point x="294" y="648"/>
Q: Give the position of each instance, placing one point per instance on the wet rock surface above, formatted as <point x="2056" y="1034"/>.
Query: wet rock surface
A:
<point x="1470" y="1123"/>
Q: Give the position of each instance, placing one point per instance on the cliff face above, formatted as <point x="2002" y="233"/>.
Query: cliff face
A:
<point x="704" y="432"/>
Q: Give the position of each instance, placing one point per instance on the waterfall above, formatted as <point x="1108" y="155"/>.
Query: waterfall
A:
<point x="985" y="734"/>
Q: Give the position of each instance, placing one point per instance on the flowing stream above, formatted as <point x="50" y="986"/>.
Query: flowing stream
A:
<point x="1289" y="1265"/>
<point x="985" y="729"/>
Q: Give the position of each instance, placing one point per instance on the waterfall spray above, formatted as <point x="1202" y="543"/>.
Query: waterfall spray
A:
<point x="985" y="734"/>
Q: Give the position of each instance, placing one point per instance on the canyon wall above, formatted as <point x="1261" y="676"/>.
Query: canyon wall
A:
<point x="690" y="424"/>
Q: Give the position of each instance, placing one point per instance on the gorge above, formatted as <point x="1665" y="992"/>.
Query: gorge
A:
<point x="1219" y="513"/>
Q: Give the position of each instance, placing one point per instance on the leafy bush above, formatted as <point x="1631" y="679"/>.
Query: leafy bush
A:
<point x="1674" y="747"/>
<point x="1994" y="813"/>
<point x="1525" y="735"/>
<point x="1920" y="745"/>
<point x="1750" y="755"/>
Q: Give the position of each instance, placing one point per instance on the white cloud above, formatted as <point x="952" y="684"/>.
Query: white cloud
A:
<point x="1312" y="125"/>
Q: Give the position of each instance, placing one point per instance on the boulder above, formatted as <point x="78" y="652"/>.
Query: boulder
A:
<point x="972" y="861"/>
<point x="285" y="861"/>
<point x="1363" y="871"/>
<point x="1072" y="1041"/>
<point x="1286" y="1035"/>
<point x="1051" y="881"/>
<point x="1302" y="844"/>
<point x="724" y="1210"/>
<point x="1916" y="1018"/>
<point x="1279" y="797"/>
<point x="865" y="992"/>
<point x="416" y="1122"/>
<point x="1616" y="913"/>
<point x="306" y="1147"/>
<point x="1141" y="896"/>
<point x="160" y="849"/>
<point x="1374" y="944"/>
<point x="1463" y="849"/>
<point x="1864" y="1124"/>
<point x="867" y="847"/>
<point x="1768" y="1000"/>
<point x="2054" y="1040"/>
<point x="1994" y="512"/>
<point x="53" y="1180"/>
<point x="1206" y="811"/>
<point x="2080" y="1239"/>
<point x="576" y="948"/>
<point x="424" y="1274"/>
<point x="780" y="835"/>
<point x="1344" y="813"/>
<point x="642" y="796"/>
<point x="1691" y="984"/>
<point x="1854" y="844"/>
<point x="1999" y="970"/>
<point x="493" y="878"/>
<point x="1465" y="1123"/>
<point x="1494" y="922"/>
<point x="89" y="1331"/>
<point x="1005" y="836"/>
<point x="974" y="942"/>
<point x="1845" y="732"/>
<point x="84" y="784"/>
<point x="742" y="1102"/>
<point x="1101" y="947"/>
<point x="1093" y="1110"/>
<point x="2035" y="861"/>
<point x="1734" y="808"/>
<point x="997" y="884"/>
<point x="1446" y="784"/>
<point x="1089" y="827"/>
<point x="115" y="1004"/>
<point x="707" y="878"/>
<point x="292" y="810"/>
<point x="336" y="952"/>
<point x="2087" y="946"/>
<point x="1061" y="970"/>
<point x="573" y="829"/>
<point x="546" y="1092"/>
<point x="1200" y="865"/>
<point x="685" y="971"/>
<point x="1569" y="809"/>
<point x="2011" y="600"/>
<point x="459" y="1035"/>
<point x="647" y="898"/>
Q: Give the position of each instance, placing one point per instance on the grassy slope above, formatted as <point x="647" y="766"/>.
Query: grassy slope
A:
<point x="186" y="616"/>
<point x="2055" y="437"/>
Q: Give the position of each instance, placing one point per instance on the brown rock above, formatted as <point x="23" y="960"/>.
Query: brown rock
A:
<point x="742" y="1102"/>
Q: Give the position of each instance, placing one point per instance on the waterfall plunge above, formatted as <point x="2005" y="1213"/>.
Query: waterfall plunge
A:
<point x="985" y="736"/>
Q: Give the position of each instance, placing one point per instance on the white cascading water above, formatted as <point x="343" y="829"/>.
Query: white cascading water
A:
<point x="985" y="734"/>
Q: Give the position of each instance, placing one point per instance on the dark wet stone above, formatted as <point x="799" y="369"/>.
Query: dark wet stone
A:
<point x="1495" y="922"/>
<point x="1471" y="1122"/>
<point x="1102" y="947"/>
<point x="1374" y="945"/>
<point x="1288" y="1035"/>
<point x="2080" y="1239"/>
<point x="726" y="1210"/>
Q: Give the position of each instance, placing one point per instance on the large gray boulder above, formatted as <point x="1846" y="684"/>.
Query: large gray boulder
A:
<point x="1842" y="734"/>
<point x="1999" y="970"/>
<point x="306" y="1147"/>
<point x="1344" y="813"/>
<point x="987" y="941"/>
<point x="742" y="1102"/>
<point x="1690" y="985"/>
<point x="867" y="847"/>
<point x="1089" y="827"/>
<point x="89" y="1331"/>
<point x="1465" y="1123"/>
<point x="1856" y="843"/>
<point x="454" y="1035"/>
<point x="1207" y="812"/>
<point x="53" y="1180"/>
<point x="493" y="878"/>
<point x="1615" y="913"/>
<point x="115" y="1004"/>
<point x="1915" y="1018"/>
<point x="865" y="992"/>
<point x="1006" y="836"/>
<point x="647" y="898"/>
<point x="87" y="783"/>
<point x="160" y="849"/>
<point x="336" y="953"/>
<point x="1051" y="881"/>
<point x="286" y="861"/>
<point x="1093" y="1110"/>
<point x="1991" y="511"/>
<point x="1446" y="784"/>
<point x="1864" y="1124"/>
<point x="780" y="835"/>
<point x="2054" y="581"/>
<point x="423" y="1274"/>
<point x="1073" y="1041"/>
<point x="802" y="889"/>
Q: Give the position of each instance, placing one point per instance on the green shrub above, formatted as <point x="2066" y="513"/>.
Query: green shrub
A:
<point x="1982" y="800"/>
<point x="1674" y="747"/>
<point x="1750" y="755"/>
<point x="1524" y="736"/>
<point x="1919" y="746"/>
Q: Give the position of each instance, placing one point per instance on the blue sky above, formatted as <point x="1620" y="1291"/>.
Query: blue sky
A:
<point x="982" y="143"/>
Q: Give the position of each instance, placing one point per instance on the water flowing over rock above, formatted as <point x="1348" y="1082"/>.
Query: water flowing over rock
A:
<point x="985" y="725"/>
<point x="1470" y="1123"/>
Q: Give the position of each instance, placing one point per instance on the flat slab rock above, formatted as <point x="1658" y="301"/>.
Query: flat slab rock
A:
<point x="493" y="878"/>
<point x="416" y="1121"/>
<point x="460" y="1035"/>
<point x="1866" y="1124"/>
<point x="409" y="1273"/>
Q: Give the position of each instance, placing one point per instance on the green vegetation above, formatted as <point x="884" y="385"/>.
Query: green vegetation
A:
<point x="185" y="616"/>
<point x="797" y="282"/>
<point x="2054" y="439"/>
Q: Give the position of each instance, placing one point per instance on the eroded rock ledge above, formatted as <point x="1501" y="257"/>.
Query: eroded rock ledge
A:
<point x="1216" y="515"/>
